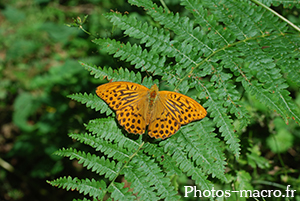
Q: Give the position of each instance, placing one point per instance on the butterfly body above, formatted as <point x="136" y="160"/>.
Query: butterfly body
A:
<point x="153" y="92"/>
<point x="137" y="106"/>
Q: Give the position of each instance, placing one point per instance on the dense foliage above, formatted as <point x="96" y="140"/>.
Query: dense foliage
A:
<point x="237" y="58"/>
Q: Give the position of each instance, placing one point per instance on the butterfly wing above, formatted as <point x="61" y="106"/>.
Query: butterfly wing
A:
<point x="130" y="101"/>
<point x="170" y="111"/>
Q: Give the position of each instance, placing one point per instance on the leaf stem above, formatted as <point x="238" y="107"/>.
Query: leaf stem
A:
<point x="277" y="14"/>
<point x="165" y="6"/>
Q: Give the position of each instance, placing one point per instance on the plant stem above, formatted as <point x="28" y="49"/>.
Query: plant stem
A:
<point x="275" y="13"/>
<point x="165" y="6"/>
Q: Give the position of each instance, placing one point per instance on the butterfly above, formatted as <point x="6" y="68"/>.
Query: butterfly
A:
<point x="137" y="106"/>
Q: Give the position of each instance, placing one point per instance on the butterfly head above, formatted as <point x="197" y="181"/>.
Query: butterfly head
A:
<point x="154" y="87"/>
<point x="153" y="91"/>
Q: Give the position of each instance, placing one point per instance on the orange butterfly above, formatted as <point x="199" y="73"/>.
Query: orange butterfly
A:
<point x="137" y="106"/>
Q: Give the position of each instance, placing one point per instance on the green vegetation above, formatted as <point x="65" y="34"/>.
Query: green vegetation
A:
<point x="239" y="59"/>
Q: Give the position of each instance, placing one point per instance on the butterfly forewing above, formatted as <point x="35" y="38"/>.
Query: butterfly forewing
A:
<point x="130" y="101"/>
<point x="183" y="108"/>
<point x="121" y="94"/>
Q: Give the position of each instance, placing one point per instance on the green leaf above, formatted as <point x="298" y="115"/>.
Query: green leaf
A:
<point x="255" y="159"/>
<point x="202" y="146"/>
<point x="86" y="186"/>
<point x="118" y="192"/>
<point x="281" y="142"/>
<point x="24" y="106"/>
<point x="243" y="185"/>
<point x="92" y="101"/>
<point x="93" y="162"/>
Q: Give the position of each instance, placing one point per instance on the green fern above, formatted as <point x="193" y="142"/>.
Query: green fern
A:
<point x="239" y="47"/>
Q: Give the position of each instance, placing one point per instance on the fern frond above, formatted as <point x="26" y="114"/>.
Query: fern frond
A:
<point x="157" y="39"/>
<point x="202" y="147"/>
<point x="142" y="180"/>
<point x="291" y="69"/>
<point x="225" y="125"/>
<point x="118" y="192"/>
<point x="134" y="54"/>
<point x="290" y="108"/>
<point x="286" y="4"/>
<point x="270" y="100"/>
<point x="182" y="27"/>
<point x="107" y="148"/>
<point x="244" y="19"/>
<point x="163" y="158"/>
<point x="92" y="187"/>
<point x="215" y="36"/>
<point x="221" y="119"/>
<point x="281" y="52"/>
<point x="154" y="176"/>
<point x="118" y="75"/>
<point x="178" y="154"/>
<point x="107" y="129"/>
<point x="111" y="74"/>
<point x="99" y="165"/>
<point x="110" y="170"/>
<point x="226" y="91"/>
<point x="140" y="185"/>
<point x="91" y="101"/>
<point x="243" y="180"/>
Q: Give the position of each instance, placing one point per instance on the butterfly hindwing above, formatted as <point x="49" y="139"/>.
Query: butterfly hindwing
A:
<point x="132" y="119"/>
<point x="162" y="124"/>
